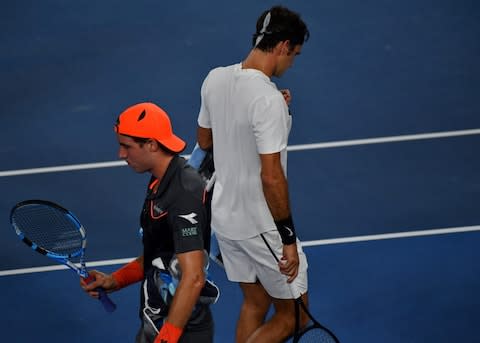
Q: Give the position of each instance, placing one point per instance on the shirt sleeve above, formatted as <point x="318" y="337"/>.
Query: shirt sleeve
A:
<point x="204" y="115"/>
<point x="188" y="224"/>
<point x="270" y="124"/>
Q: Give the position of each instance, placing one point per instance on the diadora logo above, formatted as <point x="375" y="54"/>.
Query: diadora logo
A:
<point x="189" y="231"/>
<point x="190" y="217"/>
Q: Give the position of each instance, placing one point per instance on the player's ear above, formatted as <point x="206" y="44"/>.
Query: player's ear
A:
<point x="152" y="145"/>
<point x="278" y="49"/>
<point x="284" y="47"/>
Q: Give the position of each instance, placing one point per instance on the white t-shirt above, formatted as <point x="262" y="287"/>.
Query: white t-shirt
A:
<point x="248" y="116"/>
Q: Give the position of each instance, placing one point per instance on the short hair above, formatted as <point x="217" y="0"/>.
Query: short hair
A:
<point x="284" y="25"/>
<point x="141" y="141"/>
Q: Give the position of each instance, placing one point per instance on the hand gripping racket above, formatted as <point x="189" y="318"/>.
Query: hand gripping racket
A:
<point x="314" y="331"/>
<point x="55" y="232"/>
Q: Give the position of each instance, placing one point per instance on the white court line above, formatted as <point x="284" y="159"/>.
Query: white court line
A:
<point x="325" y="145"/>
<point x="354" y="239"/>
<point x="62" y="267"/>
<point x="390" y="139"/>
<point x="63" y="168"/>
<point x="393" y="235"/>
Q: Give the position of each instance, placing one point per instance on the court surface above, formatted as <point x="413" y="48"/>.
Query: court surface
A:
<point x="383" y="163"/>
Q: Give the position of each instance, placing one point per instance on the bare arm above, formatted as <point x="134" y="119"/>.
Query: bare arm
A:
<point x="275" y="186"/>
<point x="274" y="182"/>
<point x="189" y="287"/>
<point x="204" y="138"/>
<point x="275" y="189"/>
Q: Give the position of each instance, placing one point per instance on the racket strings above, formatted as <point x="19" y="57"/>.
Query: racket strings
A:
<point x="317" y="335"/>
<point x="314" y="331"/>
<point x="49" y="228"/>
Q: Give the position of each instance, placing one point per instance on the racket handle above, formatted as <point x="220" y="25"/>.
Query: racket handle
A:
<point x="107" y="303"/>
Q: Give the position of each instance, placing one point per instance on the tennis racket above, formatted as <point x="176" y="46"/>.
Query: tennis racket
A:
<point x="314" y="331"/>
<point x="55" y="232"/>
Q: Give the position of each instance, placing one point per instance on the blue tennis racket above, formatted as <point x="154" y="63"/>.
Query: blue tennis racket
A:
<point x="55" y="232"/>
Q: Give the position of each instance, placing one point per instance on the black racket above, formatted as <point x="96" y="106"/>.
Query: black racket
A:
<point x="55" y="232"/>
<point x="314" y="331"/>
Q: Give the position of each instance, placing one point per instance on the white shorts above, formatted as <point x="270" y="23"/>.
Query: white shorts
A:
<point x="250" y="260"/>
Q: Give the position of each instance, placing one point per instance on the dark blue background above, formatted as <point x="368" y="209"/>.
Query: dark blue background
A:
<point x="370" y="69"/>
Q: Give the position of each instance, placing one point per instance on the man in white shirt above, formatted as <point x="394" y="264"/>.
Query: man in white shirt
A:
<point x="245" y="119"/>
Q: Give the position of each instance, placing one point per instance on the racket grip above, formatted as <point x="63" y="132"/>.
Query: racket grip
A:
<point x="107" y="303"/>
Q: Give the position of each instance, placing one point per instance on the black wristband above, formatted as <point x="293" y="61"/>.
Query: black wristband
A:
<point x="287" y="230"/>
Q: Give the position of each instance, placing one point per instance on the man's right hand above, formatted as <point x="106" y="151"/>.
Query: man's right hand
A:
<point x="101" y="280"/>
<point x="289" y="262"/>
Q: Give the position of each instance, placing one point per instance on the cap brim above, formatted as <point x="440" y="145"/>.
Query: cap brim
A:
<point x="174" y="144"/>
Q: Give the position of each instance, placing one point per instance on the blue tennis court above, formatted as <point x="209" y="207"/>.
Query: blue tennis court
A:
<point x="383" y="164"/>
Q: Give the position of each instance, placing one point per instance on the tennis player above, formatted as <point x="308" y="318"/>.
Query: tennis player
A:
<point x="246" y="120"/>
<point x="176" y="295"/>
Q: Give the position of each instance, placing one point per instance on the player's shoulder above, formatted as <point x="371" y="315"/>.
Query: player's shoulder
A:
<point x="224" y="70"/>
<point x="256" y="81"/>
<point x="189" y="180"/>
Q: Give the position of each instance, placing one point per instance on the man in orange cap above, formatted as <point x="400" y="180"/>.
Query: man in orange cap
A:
<point x="175" y="293"/>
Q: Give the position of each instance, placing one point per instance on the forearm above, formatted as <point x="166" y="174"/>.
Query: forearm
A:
<point x="130" y="273"/>
<point x="275" y="185"/>
<point x="186" y="296"/>
<point x="275" y="190"/>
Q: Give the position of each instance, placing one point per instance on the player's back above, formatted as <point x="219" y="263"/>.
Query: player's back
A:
<point x="239" y="105"/>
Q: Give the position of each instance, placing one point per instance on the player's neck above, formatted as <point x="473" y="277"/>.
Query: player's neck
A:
<point x="260" y="60"/>
<point x="160" y="168"/>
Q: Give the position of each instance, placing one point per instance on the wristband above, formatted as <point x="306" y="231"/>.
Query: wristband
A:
<point x="287" y="230"/>
<point x="130" y="273"/>
<point x="169" y="333"/>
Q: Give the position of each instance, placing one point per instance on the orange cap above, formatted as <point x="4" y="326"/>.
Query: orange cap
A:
<point x="147" y="120"/>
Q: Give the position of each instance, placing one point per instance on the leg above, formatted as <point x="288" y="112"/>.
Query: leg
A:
<point x="282" y="324"/>
<point x="256" y="303"/>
